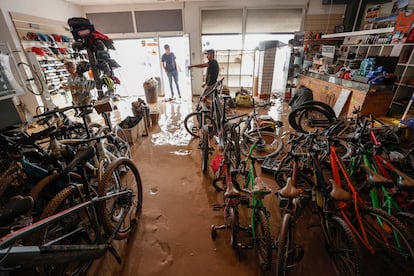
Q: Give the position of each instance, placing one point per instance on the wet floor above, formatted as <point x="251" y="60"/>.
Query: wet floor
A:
<point x="174" y="236"/>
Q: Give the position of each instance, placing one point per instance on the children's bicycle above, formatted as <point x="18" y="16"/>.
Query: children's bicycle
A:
<point x="259" y="229"/>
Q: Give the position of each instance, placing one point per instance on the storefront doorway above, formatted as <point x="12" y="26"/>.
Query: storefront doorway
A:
<point x="140" y="59"/>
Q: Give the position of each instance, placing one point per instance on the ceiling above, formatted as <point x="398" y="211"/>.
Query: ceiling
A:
<point x="119" y="2"/>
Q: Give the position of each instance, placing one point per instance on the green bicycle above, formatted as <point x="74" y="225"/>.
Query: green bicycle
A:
<point x="259" y="230"/>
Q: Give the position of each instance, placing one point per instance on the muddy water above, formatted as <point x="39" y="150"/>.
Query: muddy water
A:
<point x="174" y="236"/>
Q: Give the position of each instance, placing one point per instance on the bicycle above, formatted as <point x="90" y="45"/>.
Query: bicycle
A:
<point x="79" y="224"/>
<point x="301" y="166"/>
<point x="232" y="199"/>
<point x="377" y="230"/>
<point x="270" y="145"/>
<point x="200" y="124"/>
<point x="386" y="183"/>
<point x="259" y="228"/>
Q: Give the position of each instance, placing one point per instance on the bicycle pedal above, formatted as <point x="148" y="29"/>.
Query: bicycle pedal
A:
<point x="217" y="207"/>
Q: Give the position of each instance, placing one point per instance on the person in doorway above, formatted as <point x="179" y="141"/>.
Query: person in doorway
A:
<point x="212" y="70"/>
<point x="78" y="85"/>
<point x="170" y="67"/>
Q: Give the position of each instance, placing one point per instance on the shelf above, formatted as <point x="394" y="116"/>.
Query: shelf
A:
<point x="356" y="33"/>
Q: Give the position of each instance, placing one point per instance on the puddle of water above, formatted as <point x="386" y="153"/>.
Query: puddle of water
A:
<point x="153" y="190"/>
<point x="181" y="152"/>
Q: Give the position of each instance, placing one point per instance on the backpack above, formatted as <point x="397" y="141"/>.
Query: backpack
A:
<point x="243" y="99"/>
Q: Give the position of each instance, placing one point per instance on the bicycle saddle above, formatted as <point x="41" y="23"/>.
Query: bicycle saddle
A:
<point x="16" y="206"/>
<point x="377" y="180"/>
<point x="260" y="188"/>
<point x="290" y="191"/>
<point x="338" y="193"/>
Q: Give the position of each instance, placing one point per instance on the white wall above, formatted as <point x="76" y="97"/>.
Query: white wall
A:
<point x="52" y="9"/>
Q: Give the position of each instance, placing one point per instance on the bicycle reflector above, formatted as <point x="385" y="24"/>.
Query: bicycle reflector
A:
<point x="216" y="163"/>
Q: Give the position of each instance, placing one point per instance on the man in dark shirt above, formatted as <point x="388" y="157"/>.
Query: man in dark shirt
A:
<point x="212" y="70"/>
<point x="170" y="67"/>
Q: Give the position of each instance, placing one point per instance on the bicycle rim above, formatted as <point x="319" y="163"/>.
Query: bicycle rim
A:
<point x="284" y="246"/>
<point x="273" y="144"/>
<point x="120" y="175"/>
<point x="263" y="241"/>
<point x="343" y="247"/>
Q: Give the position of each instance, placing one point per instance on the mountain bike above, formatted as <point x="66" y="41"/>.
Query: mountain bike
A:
<point x="78" y="225"/>
<point x="301" y="166"/>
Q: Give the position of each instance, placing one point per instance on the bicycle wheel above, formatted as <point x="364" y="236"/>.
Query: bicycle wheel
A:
<point x="78" y="224"/>
<point x="205" y="149"/>
<point x="343" y="247"/>
<point x="233" y="220"/>
<point x="307" y="118"/>
<point x="284" y="246"/>
<point x="391" y="240"/>
<point x="121" y="211"/>
<point x="271" y="145"/>
<point x="192" y="124"/>
<point x="263" y="241"/>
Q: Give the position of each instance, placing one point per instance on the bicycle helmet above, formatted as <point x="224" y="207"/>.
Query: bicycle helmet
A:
<point x="108" y="82"/>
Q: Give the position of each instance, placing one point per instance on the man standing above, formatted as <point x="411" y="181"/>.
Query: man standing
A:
<point x="170" y="67"/>
<point x="212" y="70"/>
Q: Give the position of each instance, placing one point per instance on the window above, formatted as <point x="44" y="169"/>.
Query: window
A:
<point x="221" y="21"/>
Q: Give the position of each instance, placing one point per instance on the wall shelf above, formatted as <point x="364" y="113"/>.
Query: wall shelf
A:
<point x="356" y="33"/>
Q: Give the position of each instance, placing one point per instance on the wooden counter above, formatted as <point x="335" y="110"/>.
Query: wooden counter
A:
<point x="375" y="101"/>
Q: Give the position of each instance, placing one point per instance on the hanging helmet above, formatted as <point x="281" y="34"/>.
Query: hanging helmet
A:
<point x="108" y="82"/>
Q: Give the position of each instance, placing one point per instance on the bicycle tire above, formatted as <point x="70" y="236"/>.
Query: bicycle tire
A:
<point x="306" y="117"/>
<point x="263" y="240"/>
<point x="284" y="246"/>
<point x="322" y="105"/>
<point x="272" y="146"/>
<point x="66" y="198"/>
<point x="192" y="124"/>
<point x="233" y="217"/>
<point x="117" y="176"/>
<point x="397" y="251"/>
<point x="343" y="247"/>
<point x="205" y="148"/>
<point x="407" y="219"/>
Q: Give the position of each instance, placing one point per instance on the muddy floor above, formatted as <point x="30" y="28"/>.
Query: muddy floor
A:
<point x="174" y="236"/>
